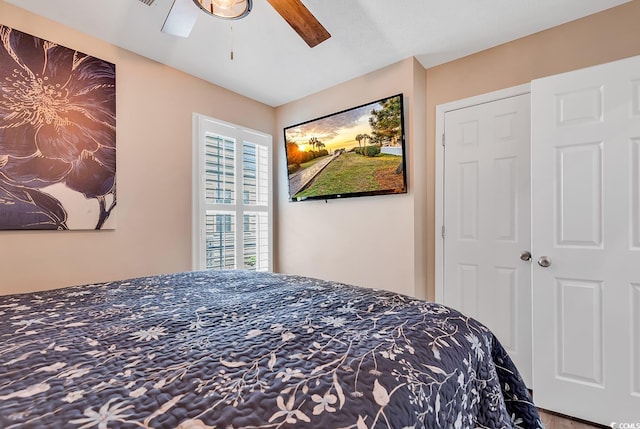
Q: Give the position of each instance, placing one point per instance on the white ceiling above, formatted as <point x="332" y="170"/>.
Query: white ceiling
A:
<point x="273" y="65"/>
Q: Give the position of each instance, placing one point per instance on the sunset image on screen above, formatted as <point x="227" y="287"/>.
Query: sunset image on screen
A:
<point x="359" y="151"/>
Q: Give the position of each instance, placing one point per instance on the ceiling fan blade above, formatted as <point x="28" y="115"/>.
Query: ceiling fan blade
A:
<point x="181" y="18"/>
<point x="301" y="20"/>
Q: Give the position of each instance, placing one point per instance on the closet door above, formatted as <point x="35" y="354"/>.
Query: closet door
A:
<point x="586" y="242"/>
<point x="487" y="205"/>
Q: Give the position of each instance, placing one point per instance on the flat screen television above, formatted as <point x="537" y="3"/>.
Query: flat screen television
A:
<point x="355" y="152"/>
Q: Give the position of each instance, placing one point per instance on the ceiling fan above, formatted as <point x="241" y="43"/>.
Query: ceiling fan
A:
<point x="183" y="15"/>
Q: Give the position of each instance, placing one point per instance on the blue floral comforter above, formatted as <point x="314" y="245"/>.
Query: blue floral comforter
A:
<point x="237" y="349"/>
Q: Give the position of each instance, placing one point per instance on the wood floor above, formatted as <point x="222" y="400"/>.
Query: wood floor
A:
<point x="554" y="421"/>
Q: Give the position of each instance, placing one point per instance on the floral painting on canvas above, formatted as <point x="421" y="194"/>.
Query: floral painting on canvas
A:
<point x="57" y="136"/>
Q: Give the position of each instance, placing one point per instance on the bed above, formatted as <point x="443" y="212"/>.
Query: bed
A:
<point x="239" y="349"/>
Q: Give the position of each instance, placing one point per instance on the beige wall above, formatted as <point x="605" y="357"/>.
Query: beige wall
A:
<point x="368" y="241"/>
<point x="599" y="38"/>
<point x="154" y="108"/>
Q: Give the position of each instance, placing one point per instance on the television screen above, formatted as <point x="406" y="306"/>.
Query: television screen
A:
<point x="355" y="152"/>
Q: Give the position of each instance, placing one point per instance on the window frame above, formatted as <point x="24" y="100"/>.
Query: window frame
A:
<point x="202" y="127"/>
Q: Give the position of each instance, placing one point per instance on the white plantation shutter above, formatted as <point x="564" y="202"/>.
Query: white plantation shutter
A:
<point x="219" y="165"/>
<point x="232" y="197"/>
<point x="220" y="240"/>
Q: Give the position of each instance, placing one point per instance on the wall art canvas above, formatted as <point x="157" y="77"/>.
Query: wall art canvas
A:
<point x="57" y="136"/>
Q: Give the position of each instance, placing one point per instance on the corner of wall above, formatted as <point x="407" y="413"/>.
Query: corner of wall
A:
<point x="421" y="180"/>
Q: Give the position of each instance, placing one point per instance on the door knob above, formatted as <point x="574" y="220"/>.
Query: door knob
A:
<point x="544" y="261"/>
<point x="525" y="255"/>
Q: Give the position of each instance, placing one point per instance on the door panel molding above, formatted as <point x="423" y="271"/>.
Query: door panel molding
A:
<point x="485" y="174"/>
<point x="585" y="167"/>
<point x="441" y="110"/>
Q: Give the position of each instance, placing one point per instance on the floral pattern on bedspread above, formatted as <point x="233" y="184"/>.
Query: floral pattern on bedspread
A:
<point x="237" y="349"/>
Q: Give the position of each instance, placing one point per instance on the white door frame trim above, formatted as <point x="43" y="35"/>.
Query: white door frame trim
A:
<point x="441" y="109"/>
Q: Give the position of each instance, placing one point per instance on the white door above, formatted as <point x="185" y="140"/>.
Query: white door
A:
<point x="586" y="222"/>
<point x="486" y="202"/>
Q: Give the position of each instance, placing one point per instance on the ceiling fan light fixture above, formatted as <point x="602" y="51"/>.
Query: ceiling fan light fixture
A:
<point x="225" y="9"/>
<point x="223" y="4"/>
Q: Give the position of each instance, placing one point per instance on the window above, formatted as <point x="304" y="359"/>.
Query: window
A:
<point x="232" y="192"/>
